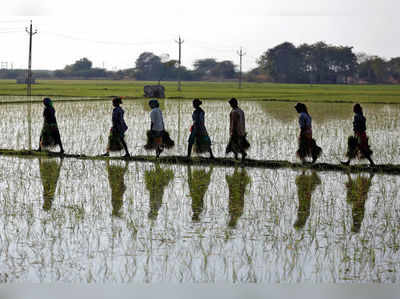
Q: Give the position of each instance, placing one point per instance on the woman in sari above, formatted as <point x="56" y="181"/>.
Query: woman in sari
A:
<point x="50" y="135"/>
<point x="358" y="144"/>
<point x="198" y="132"/>
<point x="307" y="145"/>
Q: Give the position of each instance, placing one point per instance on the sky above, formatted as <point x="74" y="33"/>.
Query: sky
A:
<point x="112" y="34"/>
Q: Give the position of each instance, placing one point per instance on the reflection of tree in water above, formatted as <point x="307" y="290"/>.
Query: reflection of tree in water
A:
<point x="306" y="185"/>
<point x="116" y="175"/>
<point x="357" y="194"/>
<point x="49" y="174"/>
<point x="198" y="181"/>
<point x="237" y="183"/>
<point x="156" y="180"/>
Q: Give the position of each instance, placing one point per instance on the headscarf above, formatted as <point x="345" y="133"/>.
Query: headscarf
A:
<point x="153" y="103"/>
<point x="47" y="102"/>
<point x="197" y="102"/>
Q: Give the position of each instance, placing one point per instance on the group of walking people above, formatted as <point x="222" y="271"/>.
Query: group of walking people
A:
<point x="159" y="139"/>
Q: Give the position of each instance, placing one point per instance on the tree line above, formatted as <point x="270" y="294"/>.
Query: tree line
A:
<point x="285" y="63"/>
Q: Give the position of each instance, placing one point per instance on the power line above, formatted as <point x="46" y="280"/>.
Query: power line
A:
<point x="104" y="42"/>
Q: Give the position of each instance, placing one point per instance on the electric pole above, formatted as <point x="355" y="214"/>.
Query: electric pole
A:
<point x="29" y="77"/>
<point x="241" y="54"/>
<point x="29" y="86"/>
<point x="180" y="42"/>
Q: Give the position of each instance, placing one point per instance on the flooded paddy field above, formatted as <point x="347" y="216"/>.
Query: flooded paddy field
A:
<point x="96" y="221"/>
<point x="272" y="127"/>
<point x="71" y="220"/>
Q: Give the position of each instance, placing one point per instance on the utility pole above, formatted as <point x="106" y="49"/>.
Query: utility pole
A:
<point x="180" y="42"/>
<point x="29" y="85"/>
<point x="29" y="77"/>
<point x="241" y="54"/>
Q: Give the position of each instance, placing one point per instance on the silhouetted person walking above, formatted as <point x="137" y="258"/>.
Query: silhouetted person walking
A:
<point x="307" y="145"/>
<point x="157" y="137"/>
<point x="116" y="139"/>
<point x="237" y="129"/>
<point x="358" y="144"/>
<point x="199" y="135"/>
<point x="50" y="135"/>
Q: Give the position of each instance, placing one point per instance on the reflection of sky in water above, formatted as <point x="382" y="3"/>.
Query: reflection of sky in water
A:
<point x="272" y="127"/>
<point x="81" y="237"/>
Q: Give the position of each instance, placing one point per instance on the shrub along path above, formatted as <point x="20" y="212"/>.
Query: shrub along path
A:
<point x="222" y="162"/>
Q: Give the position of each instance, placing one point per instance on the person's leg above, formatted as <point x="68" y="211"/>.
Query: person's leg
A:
<point x="370" y="161"/>
<point x="125" y="147"/>
<point x="211" y="153"/>
<point x="190" y="144"/>
<point x="58" y="140"/>
<point x="189" y="149"/>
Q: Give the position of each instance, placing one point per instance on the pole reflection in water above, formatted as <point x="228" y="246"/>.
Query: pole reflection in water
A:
<point x="116" y="180"/>
<point x="49" y="174"/>
<point x="198" y="181"/>
<point x="237" y="183"/>
<point x="156" y="180"/>
<point x="306" y="184"/>
<point x="357" y="195"/>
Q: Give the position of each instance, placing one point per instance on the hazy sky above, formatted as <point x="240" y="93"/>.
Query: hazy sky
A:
<point x="114" y="33"/>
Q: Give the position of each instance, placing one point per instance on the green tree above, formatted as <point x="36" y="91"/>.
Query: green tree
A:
<point x="148" y="66"/>
<point x="374" y="70"/>
<point x="394" y="68"/>
<point x="283" y="63"/>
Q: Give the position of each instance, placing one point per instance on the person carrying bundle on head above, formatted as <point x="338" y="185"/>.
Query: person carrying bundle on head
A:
<point x="50" y="135"/>
<point x="358" y="144"/>
<point x="157" y="137"/>
<point x="237" y="129"/>
<point x="198" y="133"/>
<point x="307" y="145"/>
<point x="116" y="139"/>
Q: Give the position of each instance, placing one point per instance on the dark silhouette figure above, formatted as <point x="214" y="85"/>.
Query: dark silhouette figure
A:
<point x="358" y="144"/>
<point x="156" y="180"/>
<point x="357" y="195"/>
<point x="117" y="184"/>
<point x="237" y="129"/>
<point x="198" y="132"/>
<point x="198" y="181"/>
<point x="237" y="183"/>
<point x="50" y="135"/>
<point x="116" y="138"/>
<point x="157" y="137"/>
<point x="306" y="184"/>
<point x="307" y="145"/>
<point x="49" y="174"/>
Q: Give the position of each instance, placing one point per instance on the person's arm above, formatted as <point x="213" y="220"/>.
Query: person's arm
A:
<point x="233" y="122"/>
<point x="152" y="119"/>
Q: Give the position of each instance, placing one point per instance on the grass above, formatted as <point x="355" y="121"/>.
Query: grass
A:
<point x="210" y="90"/>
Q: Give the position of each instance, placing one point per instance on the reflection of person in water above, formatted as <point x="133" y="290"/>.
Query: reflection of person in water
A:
<point x="306" y="185"/>
<point x="198" y="181"/>
<point x="116" y="175"/>
<point x="237" y="183"/>
<point x="156" y="180"/>
<point x="49" y="174"/>
<point x="357" y="195"/>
